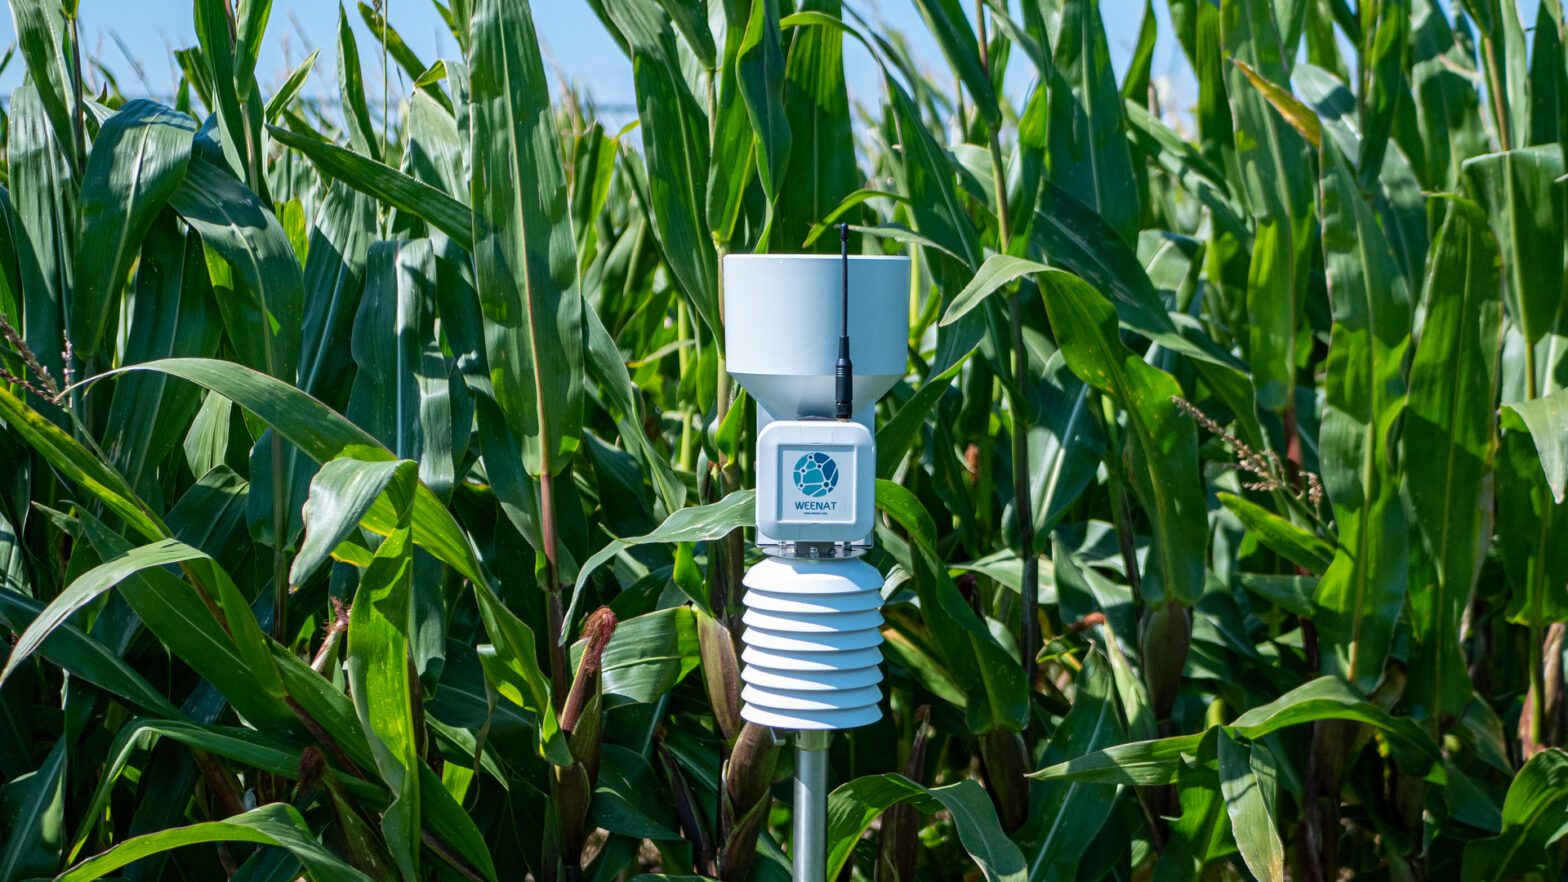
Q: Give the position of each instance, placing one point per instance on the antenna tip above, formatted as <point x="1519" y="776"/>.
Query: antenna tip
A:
<point x="843" y="232"/>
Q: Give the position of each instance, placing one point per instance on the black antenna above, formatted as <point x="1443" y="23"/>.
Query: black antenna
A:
<point x="844" y="371"/>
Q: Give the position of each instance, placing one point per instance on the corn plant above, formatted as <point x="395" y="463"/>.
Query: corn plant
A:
<point x="376" y="496"/>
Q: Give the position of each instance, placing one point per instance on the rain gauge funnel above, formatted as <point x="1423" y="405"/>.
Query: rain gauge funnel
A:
<point x="816" y="340"/>
<point x="781" y="323"/>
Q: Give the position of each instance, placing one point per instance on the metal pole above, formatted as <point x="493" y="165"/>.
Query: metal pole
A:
<point x="811" y="805"/>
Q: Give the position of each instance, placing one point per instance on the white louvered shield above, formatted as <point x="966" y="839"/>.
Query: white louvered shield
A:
<point x="813" y="628"/>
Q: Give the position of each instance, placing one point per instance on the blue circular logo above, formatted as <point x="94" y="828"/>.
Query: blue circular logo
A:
<point x="816" y="474"/>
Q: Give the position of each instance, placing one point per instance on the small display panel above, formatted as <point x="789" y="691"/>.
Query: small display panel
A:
<point x="817" y="484"/>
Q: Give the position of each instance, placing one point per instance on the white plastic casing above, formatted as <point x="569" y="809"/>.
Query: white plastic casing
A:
<point x="782" y="314"/>
<point x="816" y="481"/>
<point x="813" y="644"/>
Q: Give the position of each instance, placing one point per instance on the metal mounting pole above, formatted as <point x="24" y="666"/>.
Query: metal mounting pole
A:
<point x="811" y="805"/>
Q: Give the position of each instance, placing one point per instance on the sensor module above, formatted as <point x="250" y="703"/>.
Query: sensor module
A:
<point x="816" y="481"/>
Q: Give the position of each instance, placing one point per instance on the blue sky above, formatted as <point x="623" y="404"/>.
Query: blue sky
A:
<point x="577" y="44"/>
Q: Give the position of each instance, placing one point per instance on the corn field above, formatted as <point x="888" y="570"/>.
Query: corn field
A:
<point x="374" y="498"/>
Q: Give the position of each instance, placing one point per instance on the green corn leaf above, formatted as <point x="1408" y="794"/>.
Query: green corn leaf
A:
<point x="1512" y="100"/>
<point x="624" y="802"/>
<point x="1296" y="544"/>
<point x="1387" y="42"/>
<point x="1532" y="821"/>
<point x="11" y="294"/>
<point x="1074" y="812"/>
<point x="676" y="143"/>
<point x="89" y="473"/>
<point x="173" y="315"/>
<point x="853" y="806"/>
<point x="760" y="70"/>
<point x="325" y="435"/>
<point x="949" y="23"/>
<point x="821" y="173"/>
<point x="89" y="587"/>
<point x="255" y="749"/>
<point x="381" y="678"/>
<point x="217" y="52"/>
<point x="262" y="310"/>
<point x="68" y="647"/>
<point x="1087" y="138"/>
<point x="1290" y="593"/>
<point x="1251" y="809"/>
<point x="1072" y="235"/>
<point x="1330" y="698"/>
<point x="1200" y="833"/>
<point x="926" y="178"/>
<point x="403" y="390"/>
<point x="697" y="524"/>
<point x="341" y="494"/>
<point x="1361" y="594"/>
<point x="1163" y="443"/>
<point x="1547" y="419"/>
<point x="251" y="17"/>
<point x="899" y="433"/>
<point x="1276" y="173"/>
<point x="1142" y="763"/>
<point x="1519" y="193"/>
<point x="34" y="807"/>
<point x="1449" y="114"/>
<point x="995" y="691"/>
<point x="290" y="89"/>
<point x="1547" y="87"/>
<point x="334" y="278"/>
<point x="525" y="261"/>
<point x="41" y="37"/>
<point x="1135" y="84"/>
<point x="276" y="824"/>
<point x="43" y="191"/>
<point x="733" y="136"/>
<point x="1448" y="430"/>
<point x="647" y="656"/>
<point x="849" y="202"/>
<point x="137" y="162"/>
<point x="322" y="435"/>
<point x="625" y="403"/>
<point x="1187" y="165"/>
<point x="393" y="42"/>
<point x="1531" y="526"/>
<point x="997" y="271"/>
<point x="1326" y="698"/>
<point x="435" y="147"/>
<point x="389" y="185"/>
<point x="232" y="654"/>
<point x="351" y="92"/>
<point x="905" y="508"/>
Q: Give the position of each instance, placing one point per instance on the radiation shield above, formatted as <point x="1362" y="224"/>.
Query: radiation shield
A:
<point x="813" y="631"/>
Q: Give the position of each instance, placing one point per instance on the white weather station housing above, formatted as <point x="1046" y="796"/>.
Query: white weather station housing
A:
<point x="816" y="340"/>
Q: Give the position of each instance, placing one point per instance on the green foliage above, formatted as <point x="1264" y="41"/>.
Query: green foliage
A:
<point x="375" y="492"/>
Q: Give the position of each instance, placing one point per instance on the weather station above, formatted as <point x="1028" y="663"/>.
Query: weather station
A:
<point x="816" y="340"/>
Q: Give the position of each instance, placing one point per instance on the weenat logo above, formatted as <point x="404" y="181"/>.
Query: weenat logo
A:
<point x="816" y="474"/>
